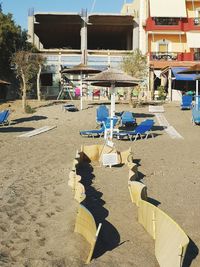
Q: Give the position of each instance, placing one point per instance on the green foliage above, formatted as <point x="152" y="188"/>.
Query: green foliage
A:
<point x="29" y="109"/>
<point x="161" y="93"/>
<point x="12" y="39"/>
<point x="27" y="65"/>
<point x="135" y="64"/>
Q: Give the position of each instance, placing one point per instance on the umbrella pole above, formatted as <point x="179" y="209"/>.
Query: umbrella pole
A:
<point x="197" y="93"/>
<point x="81" y="92"/>
<point x="112" y="109"/>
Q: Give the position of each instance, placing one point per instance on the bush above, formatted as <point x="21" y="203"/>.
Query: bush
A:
<point x="29" y="109"/>
<point x="161" y="93"/>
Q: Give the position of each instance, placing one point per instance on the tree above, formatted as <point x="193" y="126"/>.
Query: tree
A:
<point x="39" y="61"/>
<point x="27" y="66"/>
<point x="12" y="39"/>
<point x="135" y="64"/>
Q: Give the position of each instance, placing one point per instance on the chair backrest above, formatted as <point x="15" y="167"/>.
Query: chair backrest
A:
<point x="147" y="122"/>
<point x="186" y="99"/>
<point x="195" y="113"/>
<point x="77" y="91"/>
<point x="143" y="128"/>
<point x="108" y="120"/>
<point x="127" y="116"/>
<point x="102" y="113"/>
<point x="4" y="115"/>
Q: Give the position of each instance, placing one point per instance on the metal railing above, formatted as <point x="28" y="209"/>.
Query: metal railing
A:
<point x="196" y="21"/>
<point x="164" y="56"/>
<point x="197" y="56"/>
<point x="166" y="21"/>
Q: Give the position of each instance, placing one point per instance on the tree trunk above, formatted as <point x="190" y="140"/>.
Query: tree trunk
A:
<point x="23" y="92"/>
<point x="38" y="83"/>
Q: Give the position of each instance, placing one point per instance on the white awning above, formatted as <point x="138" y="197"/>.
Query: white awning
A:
<point x="193" y="39"/>
<point x="168" y="8"/>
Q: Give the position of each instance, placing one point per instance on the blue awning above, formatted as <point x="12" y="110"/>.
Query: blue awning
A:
<point x="183" y="77"/>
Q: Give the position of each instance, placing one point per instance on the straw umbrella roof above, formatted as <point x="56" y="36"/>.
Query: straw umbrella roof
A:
<point x="81" y="68"/>
<point x="113" y="77"/>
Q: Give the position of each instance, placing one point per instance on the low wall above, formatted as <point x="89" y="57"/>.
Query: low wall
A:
<point x="86" y="226"/>
<point x="85" y="222"/>
<point x="170" y="240"/>
<point x="94" y="153"/>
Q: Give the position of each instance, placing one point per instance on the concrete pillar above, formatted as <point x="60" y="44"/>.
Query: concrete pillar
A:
<point x="135" y="43"/>
<point x="141" y="30"/>
<point x="32" y="37"/>
<point x="31" y="29"/>
<point x="170" y="84"/>
<point x="151" y="83"/>
<point x="84" y="38"/>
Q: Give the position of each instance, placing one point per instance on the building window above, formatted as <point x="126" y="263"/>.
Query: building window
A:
<point x="166" y="21"/>
<point x="162" y="48"/>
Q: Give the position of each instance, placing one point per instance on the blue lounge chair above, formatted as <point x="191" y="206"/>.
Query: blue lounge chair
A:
<point x="186" y="102"/>
<point x="102" y="114"/>
<point x="142" y="129"/>
<point x="4" y="117"/>
<point x="99" y="132"/>
<point x="195" y="116"/>
<point x="127" y="119"/>
<point x="70" y="107"/>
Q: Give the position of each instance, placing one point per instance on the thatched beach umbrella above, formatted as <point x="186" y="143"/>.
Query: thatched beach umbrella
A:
<point x="113" y="78"/>
<point x="80" y="69"/>
<point x="195" y="69"/>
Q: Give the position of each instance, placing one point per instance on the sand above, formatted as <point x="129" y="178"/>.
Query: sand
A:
<point x="37" y="209"/>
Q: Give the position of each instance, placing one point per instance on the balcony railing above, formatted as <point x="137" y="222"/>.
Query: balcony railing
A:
<point x="165" y="56"/>
<point x="172" y="24"/>
<point x="197" y="56"/>
<point x="163" y="24"/>
<point x="166" y="21"/>
<point x="175" y="56"/>
<point x="197" y="21"/>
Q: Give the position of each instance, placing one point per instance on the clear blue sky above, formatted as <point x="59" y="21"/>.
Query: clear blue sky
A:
<point x="19" y="8"/>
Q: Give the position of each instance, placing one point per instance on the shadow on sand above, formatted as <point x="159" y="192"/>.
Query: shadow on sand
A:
<point x="109" y="237"/>
<point x="191" y="253"/>
<point x="26" y="119"/>
<point x="16" y="129"/>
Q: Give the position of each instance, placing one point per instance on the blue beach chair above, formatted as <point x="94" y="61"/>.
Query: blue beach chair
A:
<point x="4" y="117"/>
<point x="100" y="132"/>
<point x="102" y="114"/>
<point x="186" y="102"/>
<point x="195" y="116"/>
<point x="143" y="129"/>
<point x="127" y="119"/>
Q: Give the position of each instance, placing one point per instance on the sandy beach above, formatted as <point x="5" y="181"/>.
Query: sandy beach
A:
<point x="37" y="209"/>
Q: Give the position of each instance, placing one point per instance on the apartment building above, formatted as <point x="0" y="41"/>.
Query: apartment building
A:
<point x="68" y="39"/>
<point x="169" y="33"/>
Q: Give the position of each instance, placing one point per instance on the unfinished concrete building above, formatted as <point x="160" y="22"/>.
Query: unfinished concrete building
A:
<point x="67" y="39"/>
